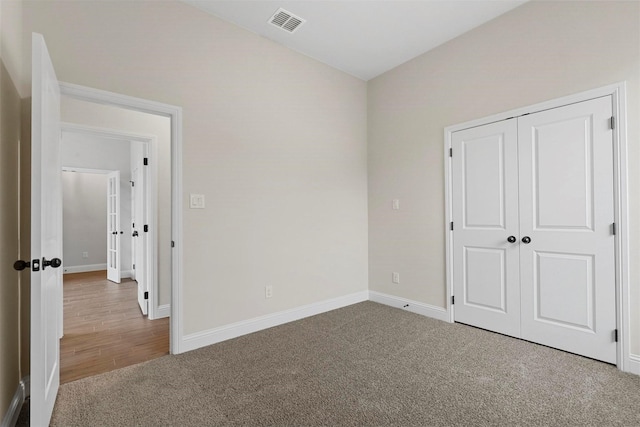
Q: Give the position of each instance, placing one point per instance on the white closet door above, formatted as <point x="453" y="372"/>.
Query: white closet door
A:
<point x="485" y="215"/>
<point x="566" y="210"/>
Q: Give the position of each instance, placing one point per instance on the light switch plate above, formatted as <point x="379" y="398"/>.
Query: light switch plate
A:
<point x="196" y="201"/>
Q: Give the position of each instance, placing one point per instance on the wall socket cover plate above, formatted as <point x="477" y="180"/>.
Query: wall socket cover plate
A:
<point x="196" y="201"/>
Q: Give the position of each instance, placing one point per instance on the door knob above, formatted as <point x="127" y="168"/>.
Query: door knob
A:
<point x="511" y="239"/>
<point x="53" y="263"/>
<point x="526" y="240"/>
<point x="135" y="234"/>
<point x="21" y="265"/>
<point x="114" y="232"/>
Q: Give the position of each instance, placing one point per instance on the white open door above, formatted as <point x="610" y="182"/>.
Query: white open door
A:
<point x="113" y="227"/>
<point x="46" y="235"/>
<point x="139" y="236"/>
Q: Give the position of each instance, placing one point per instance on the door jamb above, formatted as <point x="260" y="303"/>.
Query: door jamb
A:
<point x="175" y="115"/>
<point x="625" y="361"/>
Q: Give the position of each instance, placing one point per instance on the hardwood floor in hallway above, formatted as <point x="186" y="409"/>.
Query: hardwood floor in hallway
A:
<point x="104" y="328"/>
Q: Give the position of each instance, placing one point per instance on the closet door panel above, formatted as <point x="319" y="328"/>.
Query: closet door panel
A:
<point x="485" y="206"/>
<point x="566" y="210"/>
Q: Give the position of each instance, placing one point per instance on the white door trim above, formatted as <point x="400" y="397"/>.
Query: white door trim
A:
<point x="625" y="360"/>
<point x="151" y="196"/>
<point x="175" y="115"/>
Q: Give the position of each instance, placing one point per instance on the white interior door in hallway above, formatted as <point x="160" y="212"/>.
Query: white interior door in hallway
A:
<point x="114" y="272"/>
<point x="533" y="238"/>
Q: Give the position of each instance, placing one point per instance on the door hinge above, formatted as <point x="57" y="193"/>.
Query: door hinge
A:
<point x="146" y="295"/>
<point x="613" y="228"/>
<point x="145" y="161"/>
<point x="453" y="299"/>
<point x="451" y="226"/>
<point x="612" y="122"/>
<point x="173" y="244"/>
<point x="146" y="228"/>
<point x="134" y="266"/>
<point x="450" y="152"/>
<point x="615" y="335"/>
<point x="133" y="184"/>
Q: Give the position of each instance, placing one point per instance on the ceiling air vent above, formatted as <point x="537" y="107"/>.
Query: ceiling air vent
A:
<point x="286" y="20"/>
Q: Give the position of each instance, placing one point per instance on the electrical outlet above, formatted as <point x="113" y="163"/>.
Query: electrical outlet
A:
<point x="85" y="254"/>
<point x="395" y="277"/>
<point x="196" y="201"/>
<point x="396" y="204"/>
<point x="268" y="291"/>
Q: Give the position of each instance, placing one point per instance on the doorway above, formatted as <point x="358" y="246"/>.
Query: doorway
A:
<point x="113" y="302"/>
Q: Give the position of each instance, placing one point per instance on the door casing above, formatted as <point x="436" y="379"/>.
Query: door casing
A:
<point x="618" y="94"/>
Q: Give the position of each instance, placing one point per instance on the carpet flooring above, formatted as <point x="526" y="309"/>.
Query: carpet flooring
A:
<point x="363" y="365"/>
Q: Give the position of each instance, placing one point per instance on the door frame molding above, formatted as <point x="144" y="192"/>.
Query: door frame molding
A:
<point x="625" y="360"/>
<point x="174" y="113"/>
<point x="151" y="141"/>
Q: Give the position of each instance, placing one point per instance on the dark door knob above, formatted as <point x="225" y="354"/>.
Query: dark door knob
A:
<point x="53" y="263"/>
<point x="135" y="234"/>
<point x="114" y="232"/>
<point x="526" y="240"/>
<point x="511" y="239"/>
<point x="21" y="265"/>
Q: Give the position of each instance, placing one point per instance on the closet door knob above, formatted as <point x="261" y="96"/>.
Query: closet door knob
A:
<point x="511" y="239"/>
<point x="526" y="240"/>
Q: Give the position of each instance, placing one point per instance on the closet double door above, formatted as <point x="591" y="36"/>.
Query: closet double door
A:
<point x="533" y="238"/>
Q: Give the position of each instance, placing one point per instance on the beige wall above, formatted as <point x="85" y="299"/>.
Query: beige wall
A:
<point x="9" y="148"/>
<point x="537" y="52"/>
<point x="274" y="140"/>
<point x="9" y="278"/>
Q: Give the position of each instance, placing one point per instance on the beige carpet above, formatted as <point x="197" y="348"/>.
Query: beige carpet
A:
<point x="364" y="365"/>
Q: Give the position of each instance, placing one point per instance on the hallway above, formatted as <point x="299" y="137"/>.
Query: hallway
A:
<point x="104" y="328"/>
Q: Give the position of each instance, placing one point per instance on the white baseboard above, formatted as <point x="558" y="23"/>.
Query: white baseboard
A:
<point x="84" y="268"/>
<point x="234" y="330"/>
<point x="409" y="305"/>
<point x="633" y="365"/>
<point x="22" y="392"/>
<point x="126" y="274"/>
<point x="163" y="311"/>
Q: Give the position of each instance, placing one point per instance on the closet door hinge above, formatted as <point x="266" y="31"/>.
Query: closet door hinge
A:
<point x="451" y="226"/>
<point x="146" y="228"/>
<point x="613" y="228"/>
<point x="146" y="295"/>
<point x="145" y="161"/>
<point x="612" y="122"/>
<point x="450" y="152"/>
<point x="453" y="300"/>
<point x="615" y="335"/>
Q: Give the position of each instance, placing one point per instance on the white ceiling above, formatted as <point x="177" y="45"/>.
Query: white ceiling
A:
<point x="364" y="38"/>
